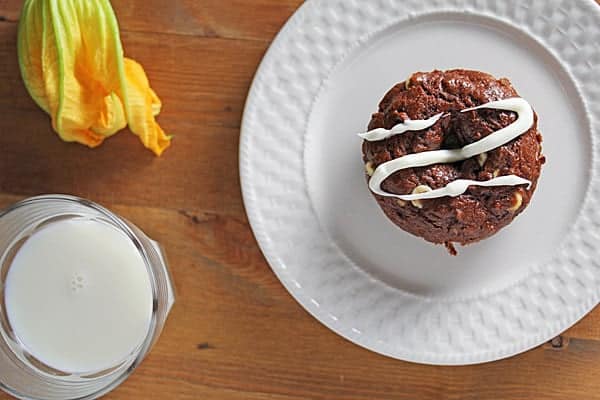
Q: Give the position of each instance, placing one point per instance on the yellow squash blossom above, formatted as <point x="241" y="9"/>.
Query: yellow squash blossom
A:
<point x="73" y="66"/>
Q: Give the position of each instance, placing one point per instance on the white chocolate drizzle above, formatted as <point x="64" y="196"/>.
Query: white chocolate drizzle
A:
<point x="459" y="186"/>
<point x="408" y="125"/>
<point x="524" y="121"/>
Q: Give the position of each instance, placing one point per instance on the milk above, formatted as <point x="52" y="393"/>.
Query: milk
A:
<point x="78" y="296"/>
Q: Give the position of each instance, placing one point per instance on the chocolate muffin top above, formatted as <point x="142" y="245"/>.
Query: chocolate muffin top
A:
<point x="480" y="211"/>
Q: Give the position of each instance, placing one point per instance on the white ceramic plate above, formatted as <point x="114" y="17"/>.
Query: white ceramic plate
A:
<point x="323" y="233"/>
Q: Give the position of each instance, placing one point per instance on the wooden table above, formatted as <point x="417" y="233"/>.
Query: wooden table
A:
<point x="234" y="332"/>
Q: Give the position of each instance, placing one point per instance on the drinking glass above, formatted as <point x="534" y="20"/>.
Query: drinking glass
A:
<point x="21" y="374"/>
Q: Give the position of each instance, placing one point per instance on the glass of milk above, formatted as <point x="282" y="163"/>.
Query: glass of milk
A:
<point x="84" y="295"/>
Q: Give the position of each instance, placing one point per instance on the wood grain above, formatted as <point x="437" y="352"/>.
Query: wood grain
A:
<point x="234" y="333"/>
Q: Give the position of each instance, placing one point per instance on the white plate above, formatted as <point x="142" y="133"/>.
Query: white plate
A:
<point x="323" y="233"/>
